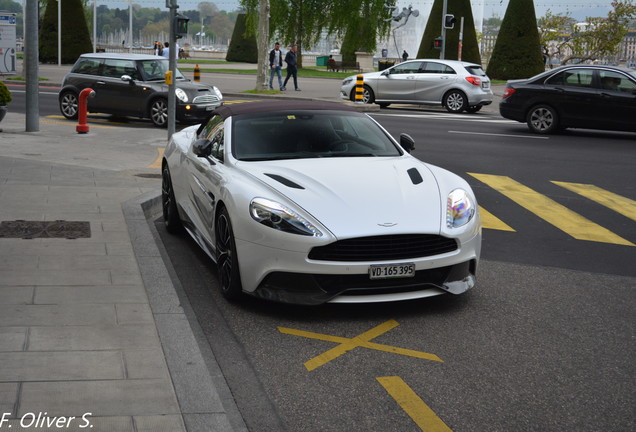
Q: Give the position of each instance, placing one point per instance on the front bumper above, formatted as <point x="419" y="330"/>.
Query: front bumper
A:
<point x="195" y="113"/>
<point x="290" y="276"/>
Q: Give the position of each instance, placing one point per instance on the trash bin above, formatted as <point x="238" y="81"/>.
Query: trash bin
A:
<point x="321" y="60"/>
<point x="385" y="52"/>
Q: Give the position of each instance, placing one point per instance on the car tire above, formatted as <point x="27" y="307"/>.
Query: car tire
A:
<point x="69" y="105"/>
<point x="368" y="97"/>
<point x="159" y="112"/>
<point x="543" y="119"/>
<point x="171" y="219"/>
<point x="455" y="101"/>
<point x="473" y="109"/>
<point x="226" y="259"/>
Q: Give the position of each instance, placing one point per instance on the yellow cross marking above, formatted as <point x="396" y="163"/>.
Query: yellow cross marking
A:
<point x="490" y="221"/>
<point x="362" y="340"/>
<point x="619" y="204"/>
<point x="411" y="403"/>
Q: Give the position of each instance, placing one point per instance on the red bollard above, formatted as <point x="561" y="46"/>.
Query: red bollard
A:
<point x="82" y="110"/>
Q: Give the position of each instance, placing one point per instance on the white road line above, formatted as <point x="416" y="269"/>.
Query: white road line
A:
<point x="502" y="135"/>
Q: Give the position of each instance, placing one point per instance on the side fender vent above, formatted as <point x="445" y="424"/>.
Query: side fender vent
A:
<point x="285" y="181"/>
<point x="415" y="175"/>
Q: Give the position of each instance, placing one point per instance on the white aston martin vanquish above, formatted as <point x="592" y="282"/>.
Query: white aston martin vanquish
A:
<point x="314" y="202"/>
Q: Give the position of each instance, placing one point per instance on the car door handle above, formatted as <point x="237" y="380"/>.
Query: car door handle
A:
<point x="100" y="82"/>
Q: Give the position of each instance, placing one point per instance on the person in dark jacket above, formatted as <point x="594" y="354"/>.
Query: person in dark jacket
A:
<point x="405" y="56"/>
<point x="292" y="67"/>
<point x="275" y="66"/>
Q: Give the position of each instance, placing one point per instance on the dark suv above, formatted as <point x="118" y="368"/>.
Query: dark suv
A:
<point x="134" y="85"/>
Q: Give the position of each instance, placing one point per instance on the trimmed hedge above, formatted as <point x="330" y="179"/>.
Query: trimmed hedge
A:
<point x="76" y="39"/>
<point x="517" y="52"/>
<point x="242" y="48"/>
<point x="470" y="47"/>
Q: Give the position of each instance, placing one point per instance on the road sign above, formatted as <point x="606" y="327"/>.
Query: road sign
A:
<point x="7" y="43"/>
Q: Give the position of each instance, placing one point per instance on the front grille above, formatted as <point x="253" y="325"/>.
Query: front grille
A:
<point x="384" y="248"/>
<point x="205" y="99"/>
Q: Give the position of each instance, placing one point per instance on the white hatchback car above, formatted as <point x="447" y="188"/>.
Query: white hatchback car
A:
<point x="458" y="86"/>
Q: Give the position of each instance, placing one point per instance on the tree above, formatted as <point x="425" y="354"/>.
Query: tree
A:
<point x="76" y="39"/>
<point x="470" y="47"/>
<point x="517" y="52"/>
<point x="601" y="37"/>
<point x="303" y="21"/>
<point x="554" y="34"/>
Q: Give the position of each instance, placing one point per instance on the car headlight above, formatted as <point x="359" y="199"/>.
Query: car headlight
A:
<point x="183" y="97"/>
<point x="217" y="92"/>
<point x="347" y="81"/>
<point x="460" y="208"/>
<point x="280" y="217"/>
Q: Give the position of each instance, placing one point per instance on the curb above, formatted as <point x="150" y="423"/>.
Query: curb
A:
<point x="204" y="398"/>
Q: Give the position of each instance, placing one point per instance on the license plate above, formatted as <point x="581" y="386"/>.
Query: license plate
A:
<point x="485" y="85"/>
<point x="387" y="271"/>
<point x="209" y="107"/>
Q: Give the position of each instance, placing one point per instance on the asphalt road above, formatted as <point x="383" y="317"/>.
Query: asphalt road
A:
<point x="542" y="343"/>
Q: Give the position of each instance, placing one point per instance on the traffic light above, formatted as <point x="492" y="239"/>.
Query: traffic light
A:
<point x="437" y="43"/>
<point x="181" y="26"/>
<point x="449" y="21"/>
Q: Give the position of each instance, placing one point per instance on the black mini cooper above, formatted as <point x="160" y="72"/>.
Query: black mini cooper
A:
<point x="134" y="85"/>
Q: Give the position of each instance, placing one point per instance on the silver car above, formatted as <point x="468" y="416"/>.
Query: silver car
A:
<point x="458" y="86"/>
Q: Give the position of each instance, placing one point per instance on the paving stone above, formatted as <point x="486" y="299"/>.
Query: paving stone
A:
<point x="210" y="422"/>
<point x="56" y="315"/>
<point x="161" y="423"/>
<point x="56" y="366"/>
<point x="78" y="424"/>
<point x="102" y="398"/>
<point x="138" y="313"/>
<point x="20" y="247"/>
<point x="55" y="277"/>
<point x="17" y="262"/>
<point x="144" y="364"/>
<point x="12" y="338"/>
<point x="90" y="294"/>
<point x="96" y="262"/>
<point x="119" y="248"/>
<point x="16" y="295"/>
<point x="8" y="397"/>
<point x="77" y="338"/>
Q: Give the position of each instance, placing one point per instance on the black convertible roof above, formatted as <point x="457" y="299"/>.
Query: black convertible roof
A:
<point x="234" y="109"/>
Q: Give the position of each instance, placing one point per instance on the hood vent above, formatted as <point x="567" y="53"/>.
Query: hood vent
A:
<point x="415" y="175"/>
<point x="285" y="181"/>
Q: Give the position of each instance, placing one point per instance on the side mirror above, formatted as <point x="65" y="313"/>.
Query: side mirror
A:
<point x="407" y="142"/>
<point x="128" y="79"/>
<point x="202" y="147"/>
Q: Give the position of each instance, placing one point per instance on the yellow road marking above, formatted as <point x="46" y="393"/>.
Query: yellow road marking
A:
<point x="410" y="402"/>
<point x="157" y="163"/>
<point x="618" y="203"/>
<point x="362" y="340"/>
<point x="552" y="212"/>
<point x="490" y="221"/>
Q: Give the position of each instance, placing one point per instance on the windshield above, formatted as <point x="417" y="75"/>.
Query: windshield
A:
<point x="308" y="134"/>
<point x="155" y="70"/>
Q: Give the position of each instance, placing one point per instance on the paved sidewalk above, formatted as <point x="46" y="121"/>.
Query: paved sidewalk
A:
<point x="94" y="325"/>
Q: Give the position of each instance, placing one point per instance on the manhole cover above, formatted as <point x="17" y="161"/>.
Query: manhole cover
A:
<point x="45" y="229"/>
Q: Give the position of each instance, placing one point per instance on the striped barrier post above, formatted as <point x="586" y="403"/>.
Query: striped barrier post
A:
<point x="359" y="89"/>
<point x="197" y="73"/>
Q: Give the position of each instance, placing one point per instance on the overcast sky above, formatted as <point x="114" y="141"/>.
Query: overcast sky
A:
<point x="578" y="8"/>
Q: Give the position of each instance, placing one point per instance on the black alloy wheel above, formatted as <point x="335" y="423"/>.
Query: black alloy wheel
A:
<point x="226" y="259"/>
<point x="159" y="112"/>
<point x="543" y="119"/>
<point x="69" y="105"/>
<point x="455" y="101"/>
<point x="171" y="218"/>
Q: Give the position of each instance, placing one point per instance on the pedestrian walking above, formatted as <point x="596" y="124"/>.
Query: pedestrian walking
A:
<point x="275" y="65"/>
<point x="166" y="50"/>
<point x="158" y="48"/>
<point x="292" y="67"/>
<point x="405" y="56"/>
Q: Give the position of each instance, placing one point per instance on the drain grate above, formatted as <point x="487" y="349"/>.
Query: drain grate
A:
<point x="45" y="229"/>
<point x="149" y="176"/>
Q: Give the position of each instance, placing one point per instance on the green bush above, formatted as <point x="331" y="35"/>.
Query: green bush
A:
<point x="470" y="47"/>
<point x="5" y="94"/>
<point x="517" y="52"/>
<point x="242" y="48"/>
<point x="76" y="39"/>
